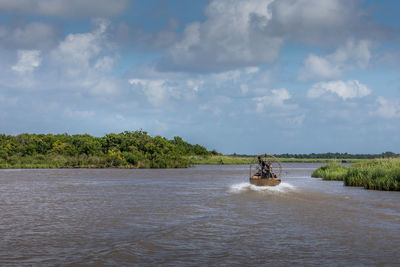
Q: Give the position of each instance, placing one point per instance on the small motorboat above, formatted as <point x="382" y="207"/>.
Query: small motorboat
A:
<point x="267" y="172"/>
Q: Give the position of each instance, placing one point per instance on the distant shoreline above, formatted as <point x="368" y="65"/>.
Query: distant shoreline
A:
<point x="240" y="160"/>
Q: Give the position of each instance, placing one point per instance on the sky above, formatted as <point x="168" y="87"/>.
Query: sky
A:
<point x="238" y="76"/>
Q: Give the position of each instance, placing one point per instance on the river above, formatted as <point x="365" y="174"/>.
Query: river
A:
<point x="206" y="215"/>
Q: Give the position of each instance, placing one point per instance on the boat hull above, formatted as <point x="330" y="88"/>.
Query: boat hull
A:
<point x="256" y="180"/>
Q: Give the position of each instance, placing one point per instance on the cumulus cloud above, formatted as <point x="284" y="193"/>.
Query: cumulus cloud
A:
<point x="243" y="33"/>
<point x="347" y="57"/>
<point x="160" y="87"/>
<point x="387" y="109"/>
<point x="104" y="64"/>
<point x="83" y="61"/>
<point x="62" y="8"/>
<point x="77" y="50"/>
<point x="160" y="91"/>
<point x="157" y="91"/>
<point x="345" y="90"/>
<point x="276" y="99"/>
<point x="28" y="60"/>
<point x="232" y="36"/>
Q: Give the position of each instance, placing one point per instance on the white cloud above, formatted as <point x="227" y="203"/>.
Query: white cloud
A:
<point x="70" y="8"/>
<point x="345" y="90"/>
<point x="160" y="92"/>
<point x="195" y="84"/>
<point x="156" y="91"/>
<point x="230" y="37"/>
<point x="296" y="120"/>
<point x="104" y="63"/>
<point x="347" y="57"/>
<point x="159" y="87"/>
<point x="244" y="89"/>
<point x="250" y="70"/>
<point x="318" y="67"/>
<point x="77" y="51"/>
<point x="388" y="109"/>
<point x="80" y="114"/>
<point x="102" y="86"/>
<point x="223" y="77"/>
<point x="240" y="33"/>
<point x="84" y="62"/>
<point x="276" y="99"/>
<point x="28" y="60"/>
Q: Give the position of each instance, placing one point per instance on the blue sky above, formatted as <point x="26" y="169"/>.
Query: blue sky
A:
<point x="254" y="76"/>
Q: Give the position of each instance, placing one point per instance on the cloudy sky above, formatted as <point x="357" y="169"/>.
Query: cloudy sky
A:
<point x="244" y="76"/>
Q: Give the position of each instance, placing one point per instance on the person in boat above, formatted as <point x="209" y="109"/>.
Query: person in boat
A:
<point x="266" y="169"/>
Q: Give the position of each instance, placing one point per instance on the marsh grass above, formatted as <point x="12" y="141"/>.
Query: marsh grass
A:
<point x="378" y="174"/>
<point x="382" y="174"/>
<point x="331" y="171"/>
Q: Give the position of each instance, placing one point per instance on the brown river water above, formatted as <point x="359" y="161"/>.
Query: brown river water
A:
<point x="201" y="216"/>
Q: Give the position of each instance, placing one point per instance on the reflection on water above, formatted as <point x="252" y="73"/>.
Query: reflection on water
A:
<point x="207" y="215"/>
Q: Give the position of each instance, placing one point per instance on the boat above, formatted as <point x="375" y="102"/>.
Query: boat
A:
<point x="267" y="171"/>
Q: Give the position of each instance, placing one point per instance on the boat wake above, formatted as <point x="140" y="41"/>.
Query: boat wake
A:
<point x="281" y="188"/>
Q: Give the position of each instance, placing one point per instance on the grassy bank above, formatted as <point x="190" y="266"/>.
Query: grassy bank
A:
<point x="115" y="160"/>
<point x="378" y="174"/>
<point x="230" y="160"/>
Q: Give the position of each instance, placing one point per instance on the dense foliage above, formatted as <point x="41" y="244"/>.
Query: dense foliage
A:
<point x="125" y="150"/>
<point x="378" y="174"/>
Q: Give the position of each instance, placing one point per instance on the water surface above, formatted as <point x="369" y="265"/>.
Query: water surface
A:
<point x="206" y="215"/>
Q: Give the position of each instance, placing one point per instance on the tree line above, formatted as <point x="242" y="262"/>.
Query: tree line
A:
<point x="338" y="156"/>
<point x="330" y="155"/>
<point x="128" y="149"/>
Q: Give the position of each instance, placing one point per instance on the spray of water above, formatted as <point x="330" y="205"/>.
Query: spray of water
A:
<point x="281" y="188"/>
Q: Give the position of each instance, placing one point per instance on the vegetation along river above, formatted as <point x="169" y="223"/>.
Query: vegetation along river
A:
<point x="206" y="215"/>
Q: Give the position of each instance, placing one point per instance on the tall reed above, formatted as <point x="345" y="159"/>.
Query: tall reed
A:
<point x="378" y="174"/>
<point x="331" y="171"/>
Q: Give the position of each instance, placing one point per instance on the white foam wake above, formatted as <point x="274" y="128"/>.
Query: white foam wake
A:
<point x="281" y="188"/>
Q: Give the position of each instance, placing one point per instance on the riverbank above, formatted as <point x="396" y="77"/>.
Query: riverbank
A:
<point x="126" y="161"/>
<point x="378" y="174"/>
<point x="110" y="160"/>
